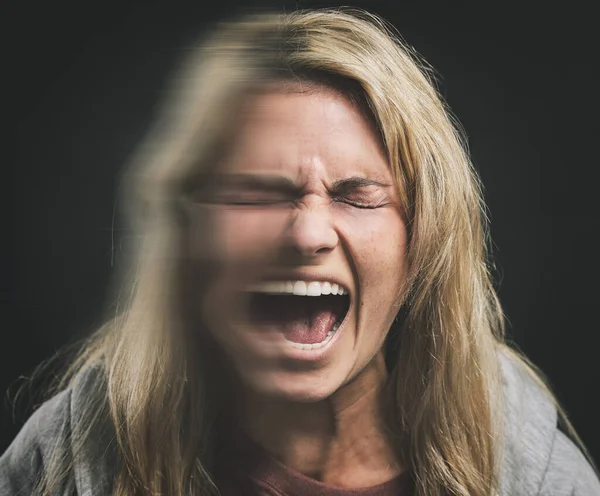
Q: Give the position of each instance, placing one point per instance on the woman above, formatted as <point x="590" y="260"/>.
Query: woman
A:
<point x="310" y="310"/>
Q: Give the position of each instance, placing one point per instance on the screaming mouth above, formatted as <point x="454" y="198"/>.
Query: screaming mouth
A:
<point x="308" y="314"/>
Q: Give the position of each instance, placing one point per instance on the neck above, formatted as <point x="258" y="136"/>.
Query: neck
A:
<point x="338" y="441"/>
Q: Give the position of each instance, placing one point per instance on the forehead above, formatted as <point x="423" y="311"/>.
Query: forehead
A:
<point x="301" y="133"/>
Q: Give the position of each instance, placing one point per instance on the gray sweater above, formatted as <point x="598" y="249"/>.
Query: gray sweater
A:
<point x="538" y="459"/>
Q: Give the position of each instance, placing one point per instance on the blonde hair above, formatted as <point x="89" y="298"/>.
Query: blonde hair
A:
<point x="444" y="380"/>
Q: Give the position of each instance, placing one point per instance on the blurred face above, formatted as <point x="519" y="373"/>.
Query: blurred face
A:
<point x="307" y="243"/>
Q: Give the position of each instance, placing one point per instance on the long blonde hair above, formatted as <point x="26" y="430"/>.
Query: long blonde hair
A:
<point x="443" y="381"/>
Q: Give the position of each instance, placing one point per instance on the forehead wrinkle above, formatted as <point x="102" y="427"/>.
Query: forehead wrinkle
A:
<point x="315" y="167"/>
<point x="308" y="170"/>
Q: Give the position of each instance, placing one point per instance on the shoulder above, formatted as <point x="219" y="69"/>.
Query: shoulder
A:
<point x="58" y="433"/>
<point x="46" y="432"/>
<point x="568" y="471"/>
<point x="537" y="457"/>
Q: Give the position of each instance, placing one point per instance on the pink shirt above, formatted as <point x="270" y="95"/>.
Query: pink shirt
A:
<point x="246" y="469"/>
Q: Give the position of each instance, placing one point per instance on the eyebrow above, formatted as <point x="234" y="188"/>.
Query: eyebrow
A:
<point x="266" y="181"/>
<point x="356" y="182"/>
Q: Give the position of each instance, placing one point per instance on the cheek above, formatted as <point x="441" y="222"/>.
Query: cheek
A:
<point x="237" y="237"/>
<point x="378" y="250"/>
<point x="378" y="247"/>
<point x="248" y="241"/>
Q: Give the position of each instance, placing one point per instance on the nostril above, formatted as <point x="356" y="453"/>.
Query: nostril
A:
<point x="311" y="246"/>
<point x="324" y="250"/>
<point x="304" y="253"/>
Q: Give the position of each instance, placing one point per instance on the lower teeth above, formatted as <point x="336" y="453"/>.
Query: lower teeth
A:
<point x="314" y="346"/>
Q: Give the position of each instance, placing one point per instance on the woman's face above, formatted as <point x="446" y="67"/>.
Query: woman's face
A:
<point x="303" y="208"/>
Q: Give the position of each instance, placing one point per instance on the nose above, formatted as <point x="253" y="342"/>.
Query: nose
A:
<point x="311" y="232"/>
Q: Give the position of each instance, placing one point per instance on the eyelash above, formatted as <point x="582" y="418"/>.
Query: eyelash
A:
<point x="354" y="204"/>
<point x="254" y="203"/>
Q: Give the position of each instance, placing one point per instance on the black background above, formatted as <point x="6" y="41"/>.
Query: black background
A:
<point x="83" y="83"/>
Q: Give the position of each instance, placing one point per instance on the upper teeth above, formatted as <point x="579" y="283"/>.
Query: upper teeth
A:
<point x="300" y="288"/>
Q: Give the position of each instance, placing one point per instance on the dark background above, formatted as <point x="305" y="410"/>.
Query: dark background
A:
<point x="84" y="80"/>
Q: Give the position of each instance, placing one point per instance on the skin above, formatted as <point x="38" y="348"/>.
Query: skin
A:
<point x="307" y="191"/>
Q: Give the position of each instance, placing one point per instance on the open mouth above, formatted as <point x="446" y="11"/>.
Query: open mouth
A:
<point x="308" y="314"/>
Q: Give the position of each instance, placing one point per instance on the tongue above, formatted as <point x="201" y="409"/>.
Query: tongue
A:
<point x="301" y="319"/>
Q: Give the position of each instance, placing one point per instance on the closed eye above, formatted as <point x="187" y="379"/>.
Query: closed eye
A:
<point x="356" y="204"/>
<point x="248" y="191"/>
<point x="250" y="201"/>
<point x="359" y="192"/>
<point x="251" y="198"/>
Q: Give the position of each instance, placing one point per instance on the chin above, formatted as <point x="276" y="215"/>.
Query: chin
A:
<point x="300" y="387"/>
